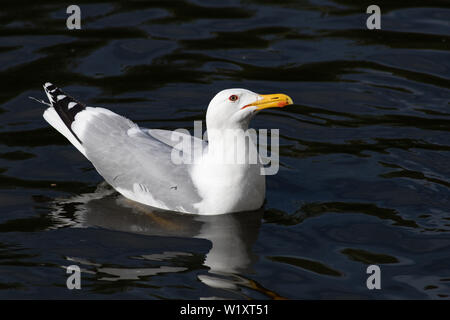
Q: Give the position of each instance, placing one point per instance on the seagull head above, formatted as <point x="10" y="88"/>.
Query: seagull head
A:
<point x="234" y="108"/>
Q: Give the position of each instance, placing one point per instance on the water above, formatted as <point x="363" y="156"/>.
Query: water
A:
<point x="364" y="175"/>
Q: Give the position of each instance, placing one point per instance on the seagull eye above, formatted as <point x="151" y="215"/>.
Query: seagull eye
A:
<point x="233" y="97"/>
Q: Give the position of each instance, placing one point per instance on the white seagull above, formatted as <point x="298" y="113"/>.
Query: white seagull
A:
<point x="137" y="162"/>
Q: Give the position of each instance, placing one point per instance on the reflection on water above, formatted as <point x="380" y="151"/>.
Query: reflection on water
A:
<point x="232" y="235"/>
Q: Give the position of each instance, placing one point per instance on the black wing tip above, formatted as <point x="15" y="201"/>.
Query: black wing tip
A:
<point x="48" y="86"/>
<point x="60" y="100"/>
<point x="66" y="106"/>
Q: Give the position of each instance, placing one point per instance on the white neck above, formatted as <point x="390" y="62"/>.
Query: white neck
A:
<point x="232" y="145"/>
<point x="229" y="175"/>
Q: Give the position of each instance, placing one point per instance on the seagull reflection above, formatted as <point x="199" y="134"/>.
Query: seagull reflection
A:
<point x="232" y="235"/>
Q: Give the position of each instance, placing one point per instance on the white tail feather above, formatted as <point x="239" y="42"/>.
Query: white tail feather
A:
<point x="52" y="117"/>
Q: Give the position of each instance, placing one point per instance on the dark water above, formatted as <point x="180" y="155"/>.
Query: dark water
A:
<point x="365" y="151"/>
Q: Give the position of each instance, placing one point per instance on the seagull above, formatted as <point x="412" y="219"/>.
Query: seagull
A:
<point x="138" y="163"/>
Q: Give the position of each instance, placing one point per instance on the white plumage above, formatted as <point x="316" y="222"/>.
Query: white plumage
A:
<point x="137" y="162"/>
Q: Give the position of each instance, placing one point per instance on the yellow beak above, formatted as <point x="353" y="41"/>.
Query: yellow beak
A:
<point x="277" y="100"/>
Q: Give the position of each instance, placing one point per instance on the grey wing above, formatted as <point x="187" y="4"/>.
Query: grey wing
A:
<point x="175" y="139"/>
<point x="134" y="162"/>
